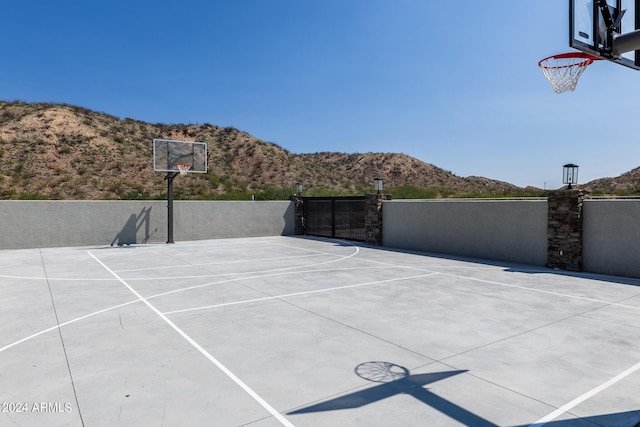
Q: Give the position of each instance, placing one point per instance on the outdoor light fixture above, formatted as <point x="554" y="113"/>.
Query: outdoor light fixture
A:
<point x="377" y="184"/>
<point x="299" y="188"/>
<point x="570" y="174"/>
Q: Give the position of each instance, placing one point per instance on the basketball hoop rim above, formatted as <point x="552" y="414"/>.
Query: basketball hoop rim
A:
<point x="587" y="59"/>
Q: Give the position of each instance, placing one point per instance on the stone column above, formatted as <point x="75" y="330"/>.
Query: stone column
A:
<point x="298" y="209"/>
<point x="373" y="218"/>
<point x="564" y="229"/>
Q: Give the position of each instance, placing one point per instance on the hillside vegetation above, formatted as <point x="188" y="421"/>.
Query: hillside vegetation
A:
<point x="53" y="151"/>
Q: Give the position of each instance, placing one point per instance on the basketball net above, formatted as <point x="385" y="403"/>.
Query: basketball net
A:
<point x="563" y="71"/>
<point x="183" y="168"/>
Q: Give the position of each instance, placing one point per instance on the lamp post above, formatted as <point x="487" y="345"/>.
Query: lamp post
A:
<point x="377" y="185"/>
<point x="570" y="174"/>
<point x="298" y="188"/>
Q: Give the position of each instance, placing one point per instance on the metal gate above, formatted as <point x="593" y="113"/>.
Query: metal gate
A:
<point x="341" y="217"/>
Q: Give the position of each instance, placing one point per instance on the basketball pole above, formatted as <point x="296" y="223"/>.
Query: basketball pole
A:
<point x="169" y="179"/>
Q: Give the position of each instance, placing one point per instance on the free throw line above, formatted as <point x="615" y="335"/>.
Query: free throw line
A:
<point x="295" y="294"/>
<point x="201" y="349"/>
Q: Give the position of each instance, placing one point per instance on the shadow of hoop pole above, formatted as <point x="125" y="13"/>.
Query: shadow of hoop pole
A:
<point x="129" y="233"/>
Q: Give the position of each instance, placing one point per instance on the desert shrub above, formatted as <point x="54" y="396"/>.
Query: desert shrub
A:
<point x="135" y="195"/>
<point x="33" y="196"/>
<point x="274" y="193"/>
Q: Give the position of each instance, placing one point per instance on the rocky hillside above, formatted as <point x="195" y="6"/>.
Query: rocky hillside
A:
<point x="626" y="184"/>
<point x="54" y="151"/>
<point x="399" y="169"/>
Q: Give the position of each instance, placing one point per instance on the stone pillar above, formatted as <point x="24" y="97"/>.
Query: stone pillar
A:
<point x="298" y="209"/>
<point x="373" y="218"/>
<point x="564" y="229"/>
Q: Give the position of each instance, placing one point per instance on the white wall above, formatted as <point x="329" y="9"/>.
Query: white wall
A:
<point x="40" y="223"/>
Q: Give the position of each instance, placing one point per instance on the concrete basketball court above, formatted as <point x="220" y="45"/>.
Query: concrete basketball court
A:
<point x="288" y="331"/>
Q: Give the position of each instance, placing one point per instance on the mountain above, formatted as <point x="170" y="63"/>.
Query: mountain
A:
<point x="58" y="151"/>
<point x="626" y="184"/>
<point x="399" y="170"/>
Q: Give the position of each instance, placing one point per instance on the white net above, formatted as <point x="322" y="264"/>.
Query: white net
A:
<point x="183" y="168"/>
<point x="564" y="71"/>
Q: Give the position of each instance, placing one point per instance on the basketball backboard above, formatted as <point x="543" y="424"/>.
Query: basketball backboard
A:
<point x="593" y="32"/>
<point x="168" y="154"/>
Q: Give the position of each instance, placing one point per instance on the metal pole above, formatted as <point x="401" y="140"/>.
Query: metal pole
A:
<point x="169" y="179"/>
<point x="626" y="42"/>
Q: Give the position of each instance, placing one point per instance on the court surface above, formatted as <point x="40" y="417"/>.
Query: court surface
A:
<point x="297" y="331"/>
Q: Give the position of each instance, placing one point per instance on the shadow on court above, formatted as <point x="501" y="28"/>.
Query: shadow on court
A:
<point x="509" y="267"/>
<point x="621" y="419"/>
<point x="581" y="274"/>
<point x="395" y="380"/>
<point x="222" y="316"/>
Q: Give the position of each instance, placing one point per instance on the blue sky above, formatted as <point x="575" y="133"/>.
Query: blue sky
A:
<point x="453" y="84"/>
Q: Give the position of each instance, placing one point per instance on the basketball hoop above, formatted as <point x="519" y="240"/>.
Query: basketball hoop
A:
<point x="563" y="71"/>
<point x="183" y="168"/>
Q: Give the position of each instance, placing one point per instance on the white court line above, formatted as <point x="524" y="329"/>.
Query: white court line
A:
<point x="423" y="269"/>
<point x="314" y="250"/>
<point x="201" y="349"/>
<point x="237" y="279"/>
<point x="316" y="253"/>
<point x="588" y="395"/>
<point x="539" y="423"/>
<point x="307" y="266"/>
<point x="300" y="293"/>
<point x="617" y="304"/>
<point x="257" y="276"/>
<point x="558" y="412"/>
<point x="524" y="288"/>
<point x="53" y="328"/>
<point x="235" y="261"/>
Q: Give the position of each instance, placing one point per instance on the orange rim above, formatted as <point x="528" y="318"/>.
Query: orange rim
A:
<point x="587" y="59"/>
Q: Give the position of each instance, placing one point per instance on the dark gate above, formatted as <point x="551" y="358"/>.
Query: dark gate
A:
<point x="341" y="217"/>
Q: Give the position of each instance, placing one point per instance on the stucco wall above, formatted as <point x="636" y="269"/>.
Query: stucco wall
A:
<point x="611" y="237"/>
<point x="507" y="230"/>
<point x="29" y="224"/>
